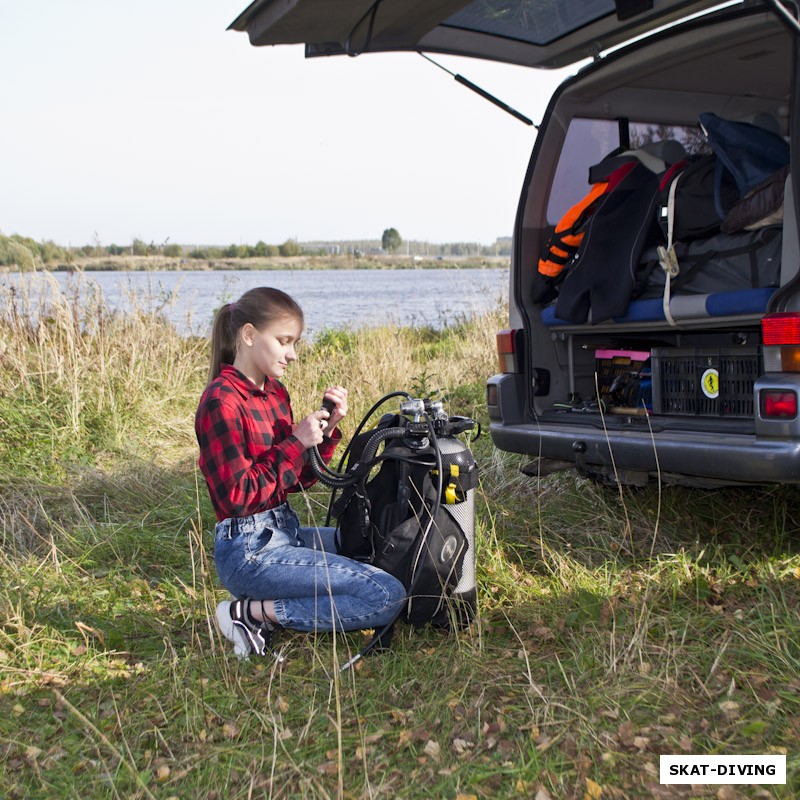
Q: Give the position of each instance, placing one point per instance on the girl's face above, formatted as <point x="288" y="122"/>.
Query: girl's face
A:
<point x="269" y="351"/>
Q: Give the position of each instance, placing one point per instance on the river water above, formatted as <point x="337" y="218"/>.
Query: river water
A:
<point x="329" y="298"/>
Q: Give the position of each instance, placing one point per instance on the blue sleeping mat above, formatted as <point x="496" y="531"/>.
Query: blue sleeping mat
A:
<point x="684" y="307"/>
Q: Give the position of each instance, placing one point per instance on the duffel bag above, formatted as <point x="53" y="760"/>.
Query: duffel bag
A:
<point x="721" y="263"/>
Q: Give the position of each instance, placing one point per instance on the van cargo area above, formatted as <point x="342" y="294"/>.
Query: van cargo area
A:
<point x="636" y="345"/>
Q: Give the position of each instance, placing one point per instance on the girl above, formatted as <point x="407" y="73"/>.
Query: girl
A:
<point x="253" y="455"/>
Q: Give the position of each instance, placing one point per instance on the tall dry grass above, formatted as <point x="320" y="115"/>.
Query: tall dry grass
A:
<point x="69" y="353"/>
<point x="97" y="376"/>
<point x="84" y="390"/>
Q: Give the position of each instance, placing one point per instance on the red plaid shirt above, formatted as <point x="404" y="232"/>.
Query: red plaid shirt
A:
<point x="248" y="454"/>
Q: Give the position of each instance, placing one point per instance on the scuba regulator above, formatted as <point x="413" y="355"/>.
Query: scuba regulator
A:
<point x="415" y="516"/>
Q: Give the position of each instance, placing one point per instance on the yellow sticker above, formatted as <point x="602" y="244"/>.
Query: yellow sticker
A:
<point x="710" y="383"/>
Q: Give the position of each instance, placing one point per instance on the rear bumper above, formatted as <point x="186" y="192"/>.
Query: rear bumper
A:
<point x="725" y="457"/>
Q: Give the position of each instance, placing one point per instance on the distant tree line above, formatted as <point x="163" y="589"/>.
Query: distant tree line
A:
<point x="25" y="253"/>
<point x="259" y="250"/>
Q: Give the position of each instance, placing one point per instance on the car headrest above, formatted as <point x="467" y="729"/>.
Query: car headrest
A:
<point x="763" y="119"/>
<point x="670" y="151"/>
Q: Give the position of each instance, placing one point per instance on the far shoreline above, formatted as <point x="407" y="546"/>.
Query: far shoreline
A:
<point x="127" y="263"/>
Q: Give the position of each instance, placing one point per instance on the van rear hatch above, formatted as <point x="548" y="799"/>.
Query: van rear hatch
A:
<point x="534" y="33"/>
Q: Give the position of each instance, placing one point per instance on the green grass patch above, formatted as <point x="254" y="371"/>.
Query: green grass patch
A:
<point x="613" y="627"/>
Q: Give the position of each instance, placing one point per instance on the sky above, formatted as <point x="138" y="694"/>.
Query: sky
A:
<point x="150" y="120"/>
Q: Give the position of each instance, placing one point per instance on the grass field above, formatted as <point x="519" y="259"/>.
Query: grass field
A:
<point x="613" y="627"/>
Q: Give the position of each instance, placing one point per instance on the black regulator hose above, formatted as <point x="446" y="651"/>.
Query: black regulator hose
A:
<point x="343" y="459"/>
<point x="366" y="419"/>
<point x="341" y="480"/>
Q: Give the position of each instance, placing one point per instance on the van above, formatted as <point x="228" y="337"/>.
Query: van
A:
<point x="654" y="305"/>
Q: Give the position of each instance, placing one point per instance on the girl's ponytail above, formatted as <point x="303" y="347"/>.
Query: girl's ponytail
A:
<point x="223" y="341"/>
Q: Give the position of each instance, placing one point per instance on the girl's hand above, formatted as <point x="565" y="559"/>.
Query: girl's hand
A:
<point x="310" y="430"/>
<point x="338" y="396"/>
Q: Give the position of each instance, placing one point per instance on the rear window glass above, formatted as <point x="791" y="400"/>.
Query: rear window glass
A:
<point x="692" y="139"/>
<point x="529" y="20"/>
<point x="589" y="141"/>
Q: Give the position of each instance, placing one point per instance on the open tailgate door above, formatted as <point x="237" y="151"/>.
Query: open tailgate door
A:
<point x="535" y="33"/>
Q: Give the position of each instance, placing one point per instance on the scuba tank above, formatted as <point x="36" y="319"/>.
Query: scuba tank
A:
<point x="459" y="503"/>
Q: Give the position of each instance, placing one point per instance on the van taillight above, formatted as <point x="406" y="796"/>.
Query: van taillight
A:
<point x="506" y="351"/>
<point x="780" y="329"/>
<point x="780" y="335"/>
<point x="778" y="404"/>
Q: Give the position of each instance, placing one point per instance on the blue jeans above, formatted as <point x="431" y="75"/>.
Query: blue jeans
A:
<point x="268" y="556"/>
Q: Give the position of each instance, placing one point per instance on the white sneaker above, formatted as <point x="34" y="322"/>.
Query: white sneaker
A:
<point x="247" y="638"/>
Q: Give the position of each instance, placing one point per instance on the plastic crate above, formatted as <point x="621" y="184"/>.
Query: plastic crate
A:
<point x="623" y="378"/>
<point x="705" y="381"/>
